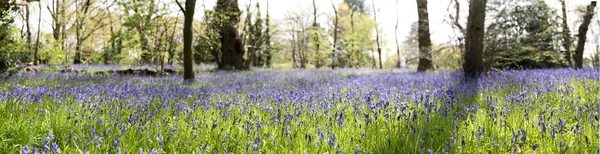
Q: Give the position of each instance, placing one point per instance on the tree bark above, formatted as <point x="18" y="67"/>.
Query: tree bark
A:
<point x="188" y="38"/>
<point x="398" y="64"/>
<point x="377" y="36"/>
<point x="335" y="29"/>
<point x="268" y="52"/>
<point x="566" y="34"/>
<point x="351" y="41"/>
<point x="28" y="24"/>
<point x="294" y="44"/>
<point x="473" y="66"/>
<point x="303" y="47"/>
<point x="316" y="37"/>
<point x="583" y="29"/>
<point x="37" y="40"/>
<point x="425" y="58"/>
<point x="231" y="43"/>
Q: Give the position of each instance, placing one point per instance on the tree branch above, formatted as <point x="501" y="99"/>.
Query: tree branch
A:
<point x="180" y="7"/>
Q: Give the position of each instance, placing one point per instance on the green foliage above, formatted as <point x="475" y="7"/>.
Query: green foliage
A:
<point x="523" y="34"/>
<point x="208" y="41"/>
<point x="145" y="18"/>
<point x="355" y="37"/>
<point x="12" y="50"/>
<point x="356" y="5"/>
<point x="51" y="53"/>
<point x="447" y="57"/>
<point x="255" y="38"/>
<point x="320" y="58"/>
<point x="7" y="47"/>
<point x="113" y="52"/>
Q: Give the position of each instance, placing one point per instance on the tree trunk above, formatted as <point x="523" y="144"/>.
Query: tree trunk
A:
<point x="377" y="36"/>
<point x="294" y="47"/>
<point x="335" y="29"/>
<point x="28" y="24"/>
<point x="231" y="43"/>
<point x="78" y="25"/>
<point x="188" y="38"/>
<point x="77" y="58"/>
<point x="398" y="65"/>
<point x="474" y="39"/>
<point x="583" y="29"/>
<point x="566" y="34"/>
<point x="316" y="36"/>
<point x="37" y="41"/>
<point x="425" y="58"/>
<point x="596" y="57"/>
<point x="351" y="41"/>
<point x="268" y="51"/>
<point x="303" y="48"/>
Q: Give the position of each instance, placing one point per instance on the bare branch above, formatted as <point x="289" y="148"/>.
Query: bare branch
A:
<point x="180" y="7"/>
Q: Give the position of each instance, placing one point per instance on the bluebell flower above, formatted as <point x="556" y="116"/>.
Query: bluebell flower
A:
<point x="26" y="150"/>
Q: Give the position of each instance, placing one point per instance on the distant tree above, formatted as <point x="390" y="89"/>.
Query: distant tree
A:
<point x="87" y="13"/>
<point x="522" y="34"/>
<point x="377" y="36"/>
<point x="247" y="35"/>
<point x="334" y="57"/>
<point x="355" y="37"/>
<point x="188" y="37"/>
<point x="299" y="29"/>
<point x="474" y="41"/>
<point x="425" y="58"/>
<point x="357" y="5"/>
<point x="411" y="45"/>
<point x="37" y="40"/>
<point x="398" y="62"/>
<point x="254" y="38"/>
<point x="566" y="34"/>
<point x="354" y="57"/>
<point x="582" y="36"/>
<point x="58" y="11"/>
<point x="208" y="47"/>
<point x="268" y="47"/>
<point x="316" y="37"/>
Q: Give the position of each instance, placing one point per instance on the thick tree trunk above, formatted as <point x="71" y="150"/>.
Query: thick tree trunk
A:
<point x="188" y="38"/>
<point x="232" y="49"/>
<point x="231" y="43"/>
<point x="583" y="29"/>
<point x="566" y="34"/>
<point x="425" y="58"/>
<point x="473" y="66"/>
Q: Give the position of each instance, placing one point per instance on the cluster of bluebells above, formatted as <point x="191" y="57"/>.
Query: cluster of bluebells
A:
<point x="310" y="111"/>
